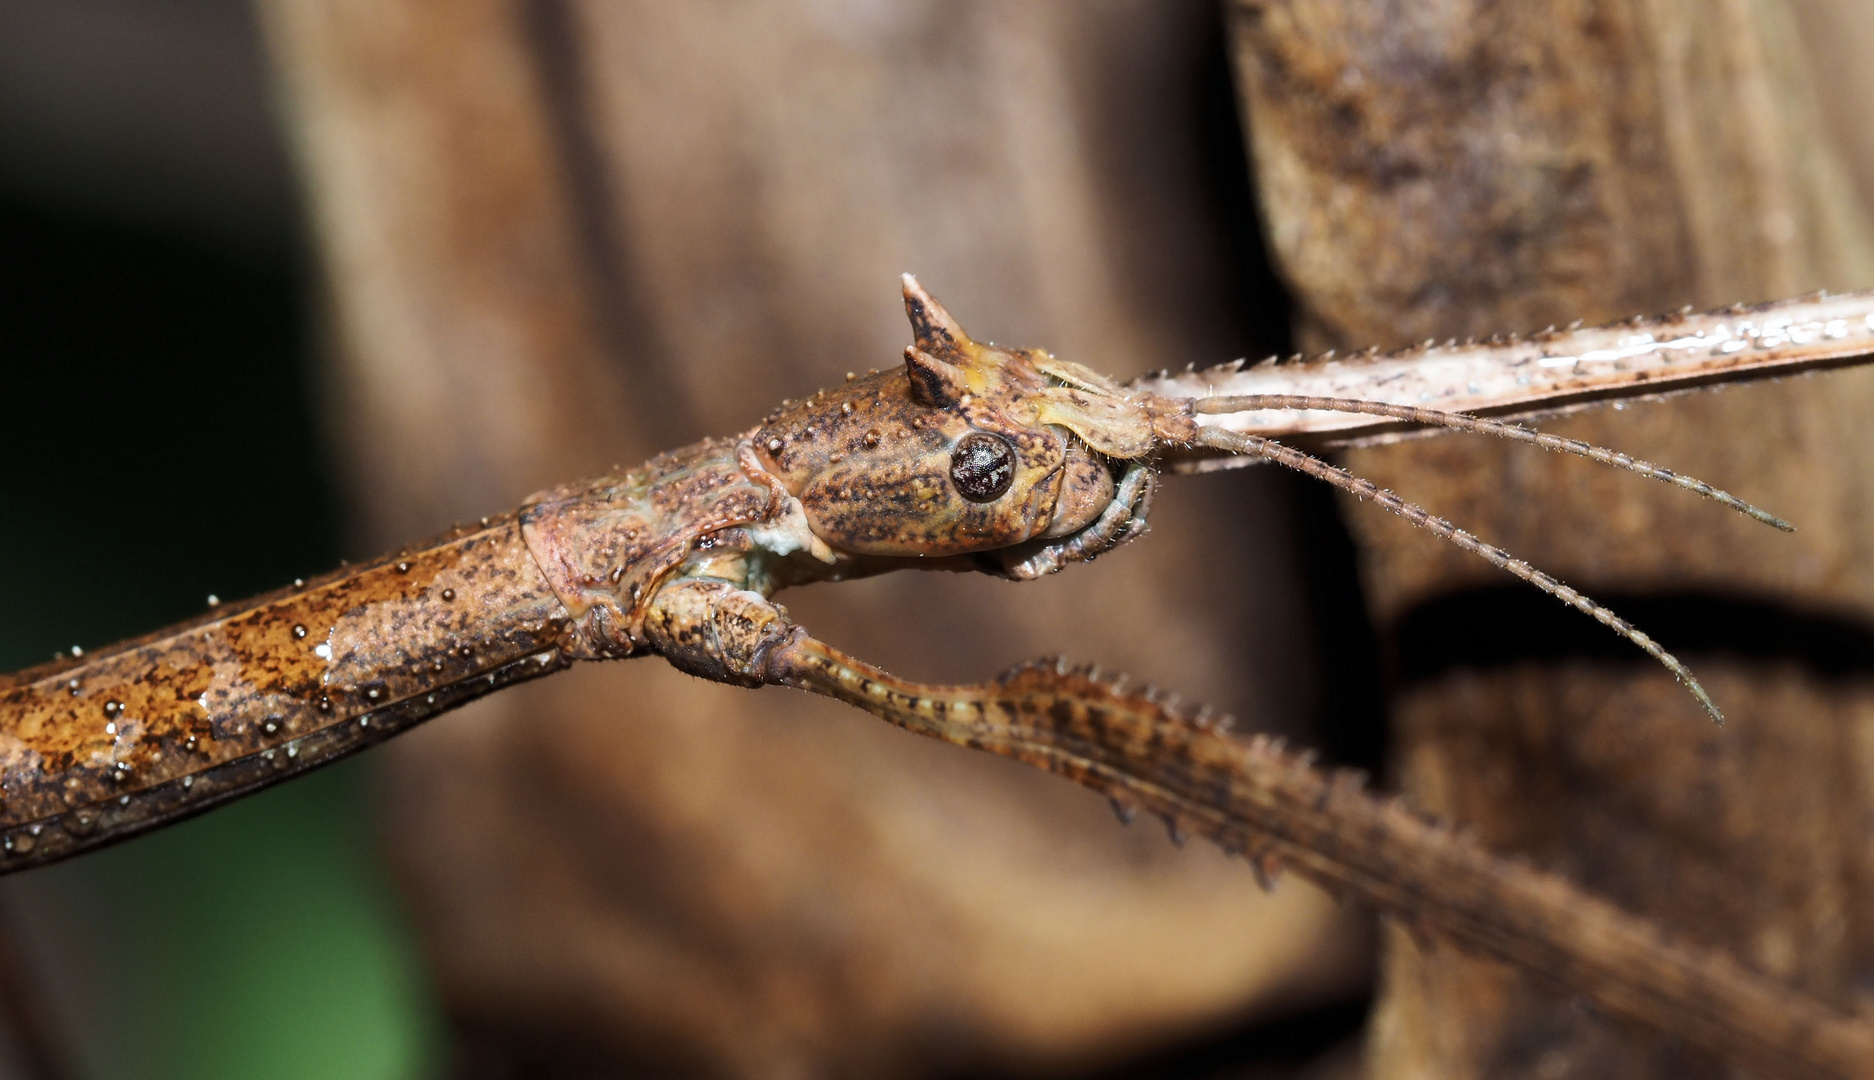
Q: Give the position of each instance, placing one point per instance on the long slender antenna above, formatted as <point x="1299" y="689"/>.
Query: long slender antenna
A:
<point x="1424" y="519"/>
<point x="1461" y="422"/>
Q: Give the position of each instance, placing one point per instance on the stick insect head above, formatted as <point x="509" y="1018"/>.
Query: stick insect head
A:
<point x="968" y="447"/>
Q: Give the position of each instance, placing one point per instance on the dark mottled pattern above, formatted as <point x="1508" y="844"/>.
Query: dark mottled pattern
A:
<point x="605" y="545"/>
<point x="101" y="746"/>
<point x="1255" y="799"/>
<point x="872" y="466"/>
<point x="116" y="741"/>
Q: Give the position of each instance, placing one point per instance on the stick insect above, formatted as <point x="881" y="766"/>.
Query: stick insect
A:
<point x="968" y="457"/>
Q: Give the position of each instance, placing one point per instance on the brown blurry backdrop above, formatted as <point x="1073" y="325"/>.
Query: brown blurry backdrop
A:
<point x="565" y="235"/>
<point x="547" y="236"/>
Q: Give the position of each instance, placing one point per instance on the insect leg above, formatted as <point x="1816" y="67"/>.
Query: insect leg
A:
<point x="1495" y="556"/>
<point x="716" y="629"/>
<point x="1122" y="520"/>
<point x="1256" y="799"/>
<point x="1461" y="422"/>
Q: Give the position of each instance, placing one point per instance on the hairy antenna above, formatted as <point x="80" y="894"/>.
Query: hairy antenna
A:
<point x="1461" y="422"/>
<point x="1424" y="519"/>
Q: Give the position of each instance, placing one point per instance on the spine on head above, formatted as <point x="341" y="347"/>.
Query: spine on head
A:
<point x="941" y="352"/>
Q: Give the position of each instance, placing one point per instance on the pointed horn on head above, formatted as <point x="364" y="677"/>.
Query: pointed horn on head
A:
<point x="937" y="383"/>
<point x="937" y="334"/>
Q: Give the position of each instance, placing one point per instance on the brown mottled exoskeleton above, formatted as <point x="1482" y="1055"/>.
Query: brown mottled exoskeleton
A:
<point x="968" y="457"/>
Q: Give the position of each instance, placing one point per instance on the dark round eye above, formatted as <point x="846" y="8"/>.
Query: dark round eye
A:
<point x="982" y="466"/>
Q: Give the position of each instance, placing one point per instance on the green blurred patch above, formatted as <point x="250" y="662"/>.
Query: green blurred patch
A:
<point x="258" y="940"/>
<point x="158" y="446"/>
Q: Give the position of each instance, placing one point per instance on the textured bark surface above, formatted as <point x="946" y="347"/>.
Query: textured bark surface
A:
<point x="560" y="235"/>
<point x="1464" y="168"/>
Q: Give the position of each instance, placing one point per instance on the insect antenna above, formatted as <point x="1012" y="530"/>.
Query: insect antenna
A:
<point x="1462" y="422"/>
<point x="1271" y="450"/>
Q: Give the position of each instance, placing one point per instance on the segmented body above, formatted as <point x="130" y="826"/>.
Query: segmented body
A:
<point x="970" y="457"/>
<point x="103" y="745"/>
<point x="117" y="740"/>
<point x="604" y="545"/>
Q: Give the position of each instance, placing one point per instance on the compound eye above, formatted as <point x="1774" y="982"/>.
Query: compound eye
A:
<point x="982" y="466"/>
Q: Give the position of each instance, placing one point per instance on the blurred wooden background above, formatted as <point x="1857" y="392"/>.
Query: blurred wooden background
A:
<point x="560" y="232"/>
<point x="563" y="235"/>
<point x="1468" y="168"/>
<point x="550" y="236"/>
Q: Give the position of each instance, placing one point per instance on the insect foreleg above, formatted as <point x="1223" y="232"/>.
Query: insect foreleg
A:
<point x="1241" y="403"/>
<point x="1122" y="520"/>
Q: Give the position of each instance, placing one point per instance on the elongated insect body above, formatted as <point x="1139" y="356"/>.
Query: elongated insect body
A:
<point x="605" y="546"/>
<point x="107" y="744"/>
<point x="967" y="457"/>
<point x="104" y="745"/>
